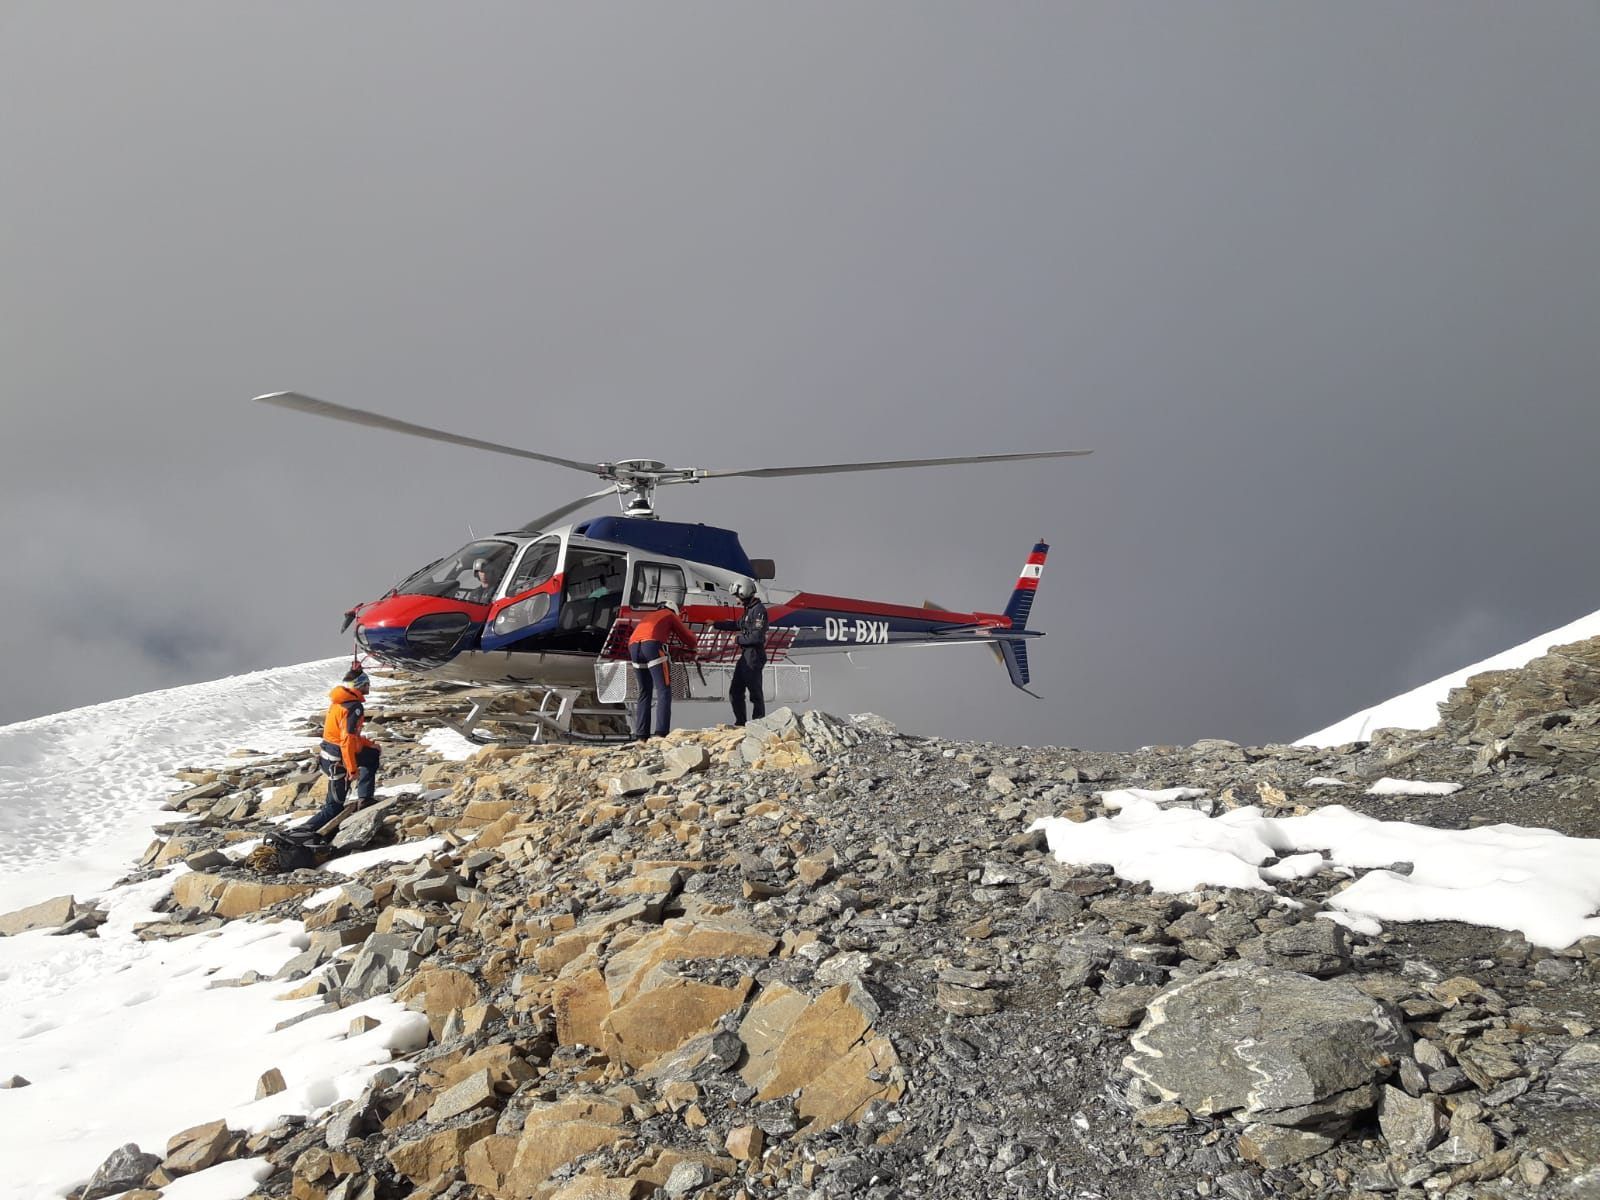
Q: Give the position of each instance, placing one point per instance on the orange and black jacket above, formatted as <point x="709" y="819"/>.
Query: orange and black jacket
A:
<point x="661" y="626"/>
<point x="341" y="729"/>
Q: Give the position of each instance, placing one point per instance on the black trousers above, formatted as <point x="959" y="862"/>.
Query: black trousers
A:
<point x="747" y="678"/>
<point x="339" y="785"/>
<point x="655" y="689"/>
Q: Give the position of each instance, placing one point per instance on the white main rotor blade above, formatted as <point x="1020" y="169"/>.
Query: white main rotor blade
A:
<point x="358" y="416"/>
<point x="540" y="523"/>
<point x="888" y="465"/>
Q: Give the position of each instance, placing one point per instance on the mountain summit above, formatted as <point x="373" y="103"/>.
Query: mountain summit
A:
<point x="821" y="957"/>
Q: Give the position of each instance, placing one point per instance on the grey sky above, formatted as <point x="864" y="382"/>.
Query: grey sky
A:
<point x="1320" y="285"/>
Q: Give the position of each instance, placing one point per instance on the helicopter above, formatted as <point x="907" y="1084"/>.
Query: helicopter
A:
<point x="548" y="607"/>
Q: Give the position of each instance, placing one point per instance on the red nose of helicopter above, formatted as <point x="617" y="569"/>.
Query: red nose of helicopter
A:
<point x="417" y="631"/>
<point x="434" y="614"/>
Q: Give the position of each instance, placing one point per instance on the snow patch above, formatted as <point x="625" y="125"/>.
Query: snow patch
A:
<point x="1535" y="881"/>
<point x="448" y="743"/>
<point x="130" y="1041"/>
<point x="225" y="1181"/>
<point x="1118" y="797"/>
<point x="1296" y="866"/>
<point x="354" y="864"/>
<point x="326" y="896"/>
<point x="1411" y="787"/>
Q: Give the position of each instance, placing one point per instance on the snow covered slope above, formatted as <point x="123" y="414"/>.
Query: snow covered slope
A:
<point x="79" y="790"/>
<point x="93" y="1022"/>
<point x="1419" y="708"/>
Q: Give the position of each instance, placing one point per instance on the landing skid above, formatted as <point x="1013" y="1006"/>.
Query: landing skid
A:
<point x="561" y="715"/>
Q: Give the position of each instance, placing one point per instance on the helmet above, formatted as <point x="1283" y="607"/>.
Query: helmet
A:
<point x="743" y="589"/>
<point x="672" y="605"/>
<point x="480" y="564"/>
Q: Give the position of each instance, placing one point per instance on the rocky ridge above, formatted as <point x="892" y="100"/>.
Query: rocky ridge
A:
<point x="823" y="958"/>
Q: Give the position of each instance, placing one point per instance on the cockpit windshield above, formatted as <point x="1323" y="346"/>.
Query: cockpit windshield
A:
<point x="471" y="574"/>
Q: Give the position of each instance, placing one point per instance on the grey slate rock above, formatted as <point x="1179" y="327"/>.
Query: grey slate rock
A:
<point x="379" y="965"/>
<point x="1447" y="1080"/>
<point x="1411" y="1125"/>
<point x="966" y="1001"/>
<point x="124" y="1170"/>
<point x="303" y="964"/>
<point x="1555" y="970"/>
<point x="1048" y="905"/>
<point x="1314" y="947"/>
<point x="1275" y="1046"/>
<point x="687" y="1178"/>
<point x="353" y="1120"/>
<point x="358" y="830"/>
<point x="1278" y="1146"/>
<point x="700" y="1058"/>
<point x="1083" y="958"/>
<point x="1122" y="1008"/>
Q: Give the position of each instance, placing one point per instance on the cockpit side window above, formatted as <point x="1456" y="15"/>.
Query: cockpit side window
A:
<point x="656" y="583"/>
<point x="537" y="565"/>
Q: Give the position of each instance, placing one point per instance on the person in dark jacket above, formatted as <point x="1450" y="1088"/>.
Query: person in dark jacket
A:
<point x="647" y="649"/>
<point x="346" y="753"/>
<point x="752" y="640"/>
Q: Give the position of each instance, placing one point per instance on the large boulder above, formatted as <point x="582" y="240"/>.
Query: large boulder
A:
<point x="665" y="1015"/>
<point x="233" y="898"/>
<point x="682" y="940"/>
<point x="1274" y="1047"/>
<point x="825" y="1049"/>
<point x="426" y="1157"/>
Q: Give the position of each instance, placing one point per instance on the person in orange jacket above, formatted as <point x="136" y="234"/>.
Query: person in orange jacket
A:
<point x="346" y="753"/>
<point x="647" y="649"/>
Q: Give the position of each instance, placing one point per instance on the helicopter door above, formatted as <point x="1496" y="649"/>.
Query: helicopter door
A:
<point x="591" y="594"/>
<point x="530" y="604"/>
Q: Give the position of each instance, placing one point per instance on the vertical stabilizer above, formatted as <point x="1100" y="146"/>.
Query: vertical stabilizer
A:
<point x="1021" y="602"/>
<point x="1013" y="652"/>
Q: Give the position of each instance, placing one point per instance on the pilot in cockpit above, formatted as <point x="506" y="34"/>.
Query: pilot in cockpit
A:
<point x="475" y="583"/>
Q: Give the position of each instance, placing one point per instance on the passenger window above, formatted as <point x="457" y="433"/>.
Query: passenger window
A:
<point x="538" y="564"/>
<point x="592" y="589"/>
<point x="656" y="583"/>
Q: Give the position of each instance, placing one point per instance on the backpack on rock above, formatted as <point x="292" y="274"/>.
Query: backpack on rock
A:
<point x="281" y="852"/>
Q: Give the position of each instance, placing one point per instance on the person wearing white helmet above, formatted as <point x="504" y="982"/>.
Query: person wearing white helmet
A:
<point x="752" y="640"/>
